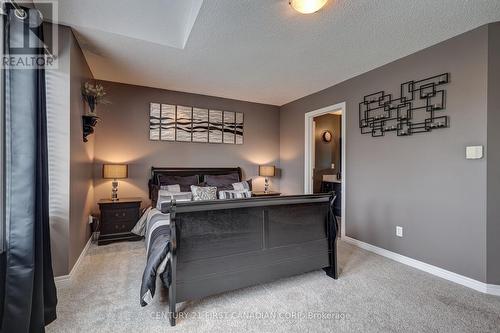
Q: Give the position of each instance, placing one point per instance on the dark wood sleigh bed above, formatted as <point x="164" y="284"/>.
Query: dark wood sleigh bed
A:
<point x="223" y="245"/>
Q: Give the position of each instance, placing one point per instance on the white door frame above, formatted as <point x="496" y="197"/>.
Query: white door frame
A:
<point x="309" y="153"/>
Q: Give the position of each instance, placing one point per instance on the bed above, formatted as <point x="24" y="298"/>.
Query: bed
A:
<point x="222" y="245"/>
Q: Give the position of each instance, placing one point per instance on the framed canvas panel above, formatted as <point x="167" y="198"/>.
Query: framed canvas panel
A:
<point x="215" y="126"/>
<point x="200" y="125"/>
<point x="183" y="124"/>
<point x="238" y="128"/>
<point x="154" y="121"/>
<point x="229" y="119"/>
<point x="167" y="122"/>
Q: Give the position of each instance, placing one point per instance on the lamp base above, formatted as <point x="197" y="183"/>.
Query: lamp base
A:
<point x="266" y="185"/>
<point x="114" y="191"/>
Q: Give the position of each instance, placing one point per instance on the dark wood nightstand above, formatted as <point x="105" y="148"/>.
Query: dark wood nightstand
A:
<point x="264" y="194"/>
<point x="118" y="218"/>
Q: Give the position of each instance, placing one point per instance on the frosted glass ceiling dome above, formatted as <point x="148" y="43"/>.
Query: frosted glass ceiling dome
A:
<point x="307" y="6"/>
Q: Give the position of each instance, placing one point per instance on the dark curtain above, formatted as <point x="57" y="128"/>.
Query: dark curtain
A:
<point x="30" y="295"/>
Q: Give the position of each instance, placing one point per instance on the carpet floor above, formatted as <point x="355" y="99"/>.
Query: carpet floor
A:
<point x="373" y="294"/>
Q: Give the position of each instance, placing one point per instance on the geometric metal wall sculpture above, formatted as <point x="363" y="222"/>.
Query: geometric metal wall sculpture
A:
<point x="417" y="110"/>
<point x="189" y="124"/>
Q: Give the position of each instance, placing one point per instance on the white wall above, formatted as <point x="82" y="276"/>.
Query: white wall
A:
<point x="58" y="131"/>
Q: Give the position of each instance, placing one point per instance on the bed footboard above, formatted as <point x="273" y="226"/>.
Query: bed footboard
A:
<point x="224" y="245"/>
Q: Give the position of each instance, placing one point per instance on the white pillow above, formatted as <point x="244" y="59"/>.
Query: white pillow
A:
<point x="204" y="193"/>
<point x="241" y="186"/>
<point x="140" y="226"/>
<point x="171" y="188"/>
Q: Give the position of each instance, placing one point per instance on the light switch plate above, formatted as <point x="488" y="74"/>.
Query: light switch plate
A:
<point x="473" y="152"/>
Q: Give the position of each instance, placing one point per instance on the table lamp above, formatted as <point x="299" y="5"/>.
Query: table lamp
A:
<point x="267" y="171"/>
<point x="115" y="172"/>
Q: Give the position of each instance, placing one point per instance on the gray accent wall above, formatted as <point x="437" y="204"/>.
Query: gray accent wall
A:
<point x="422" y="182"/>
<point x="493" y="228"/>
<point x="122" y="136"/>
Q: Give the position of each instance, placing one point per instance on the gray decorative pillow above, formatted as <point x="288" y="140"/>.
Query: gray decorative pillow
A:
<point x="222" y="182"/>
<point x="204" y="193"/>
<point x="183" y="181"/>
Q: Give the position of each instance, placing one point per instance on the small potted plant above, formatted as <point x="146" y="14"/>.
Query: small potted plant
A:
<point x="93" y="94"/>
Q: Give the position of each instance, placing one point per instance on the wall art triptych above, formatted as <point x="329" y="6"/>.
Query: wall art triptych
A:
<point x="189" y="124"/>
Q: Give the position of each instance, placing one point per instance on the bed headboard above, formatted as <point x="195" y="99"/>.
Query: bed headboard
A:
<point x="168" y="171"/>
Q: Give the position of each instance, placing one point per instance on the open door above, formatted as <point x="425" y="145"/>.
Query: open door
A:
<point x="324" y="164"/>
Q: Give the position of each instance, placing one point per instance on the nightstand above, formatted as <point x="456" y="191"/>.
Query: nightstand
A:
<point x="264" y="194"/>
<point x="118" y="218"/>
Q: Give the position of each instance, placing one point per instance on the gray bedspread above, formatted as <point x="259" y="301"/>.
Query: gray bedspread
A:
<point x="156" y="229"/>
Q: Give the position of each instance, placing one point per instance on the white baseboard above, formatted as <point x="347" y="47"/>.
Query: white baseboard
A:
<point x="63" y="279"/>
<point x="493" y="289"/>
<point x="434" y="270"/>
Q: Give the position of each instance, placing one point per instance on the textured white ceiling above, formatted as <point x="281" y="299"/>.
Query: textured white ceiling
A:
<point x="262" y="50"/>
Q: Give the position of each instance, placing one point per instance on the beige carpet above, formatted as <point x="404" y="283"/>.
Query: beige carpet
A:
<point x="373" y="294"/>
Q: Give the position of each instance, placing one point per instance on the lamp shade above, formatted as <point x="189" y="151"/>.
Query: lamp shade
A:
<point x="267" y="170"/>
<point x="114" y="171"/>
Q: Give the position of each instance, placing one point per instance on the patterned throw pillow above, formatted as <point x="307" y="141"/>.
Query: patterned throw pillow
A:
<point x="165" y="196"/>
<point x="235" y="194"/>
<point x="204" y="193"/>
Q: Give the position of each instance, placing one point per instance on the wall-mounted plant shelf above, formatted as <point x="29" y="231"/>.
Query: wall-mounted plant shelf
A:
<point x="89" y="123"/>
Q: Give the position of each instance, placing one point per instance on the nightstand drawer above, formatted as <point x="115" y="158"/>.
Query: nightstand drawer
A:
<point x="116" y="226"/>
<point x="124" y="214"/>
<point x="120" y="227"/>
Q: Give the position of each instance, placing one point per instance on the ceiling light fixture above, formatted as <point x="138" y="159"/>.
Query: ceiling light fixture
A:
<point x="307" y="6"/>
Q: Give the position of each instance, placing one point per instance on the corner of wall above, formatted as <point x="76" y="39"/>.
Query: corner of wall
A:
<point x="493" y="157"/>
<point x="81" y="157"/>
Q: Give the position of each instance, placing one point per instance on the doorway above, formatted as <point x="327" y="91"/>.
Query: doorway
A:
<point x="325" y="154"/>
